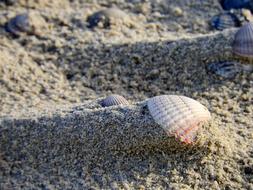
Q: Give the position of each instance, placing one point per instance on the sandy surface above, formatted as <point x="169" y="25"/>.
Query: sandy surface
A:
<point x="55" y="135"/>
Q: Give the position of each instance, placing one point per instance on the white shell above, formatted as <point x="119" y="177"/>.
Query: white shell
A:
<point x="179" y="116"/>
<point x="113" y="100"/>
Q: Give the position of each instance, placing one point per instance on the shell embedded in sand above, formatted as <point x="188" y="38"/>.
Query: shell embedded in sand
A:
<point x="227" y="69"/>
<point x="243" y="42"/>
<point x="32" y="23"/>
<point x="179" y="116"/>
<point x="113" y="100"/>
<point x="106" y="17"/>
<point x="225" y="21"/>
<point x="19" y="24"/>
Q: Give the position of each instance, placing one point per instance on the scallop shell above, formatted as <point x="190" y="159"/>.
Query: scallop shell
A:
<point x="18" y="24"/>
<point x="105" y="17"/>
<point x="113" y="100"/>
<point x="179" y="116"/>
<point x="225" y="21"/>
<point x="243" y="42"/>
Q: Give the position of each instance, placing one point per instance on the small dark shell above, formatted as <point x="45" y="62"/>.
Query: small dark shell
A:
<point x="18" y="24"/>
<point x="104" y="17"/>
<point x="227" y="69"/>
<point x="243" y="42"/>
<point x="113" y="100"/>
<point x="225" y="21"/>
<point x="236" y="4"/>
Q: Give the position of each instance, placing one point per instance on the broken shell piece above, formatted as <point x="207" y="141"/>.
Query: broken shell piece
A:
<point x="113" y="100"/>
<point x="179" y="116"/>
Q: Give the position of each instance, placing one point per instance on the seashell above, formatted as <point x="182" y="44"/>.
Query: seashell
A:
<point x="227" y="69"/>
<point x="113" y="100"/>
<point x="32" y="23"/>
<point x="18" y="25"/>
<point x="179" y="116"/>
<point x="243" y="42"/>
<point x="105" y="17"/>
<point x="236" y="4"/>
<point x="225" y="21"/>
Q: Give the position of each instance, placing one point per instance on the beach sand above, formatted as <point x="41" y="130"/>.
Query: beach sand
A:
<point x="55" y="135"/>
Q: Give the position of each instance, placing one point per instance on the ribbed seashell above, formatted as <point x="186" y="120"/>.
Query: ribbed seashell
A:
<point x="227" y="69"/>
<point x="225" y="21"/>
<point x="105" y="17"/>
<point x="18" y="24"/>
<point x="179" y="116"/>
<point x="243" y="42"/>
<point x="113" y="100"/>
<point x="236" y="4"/>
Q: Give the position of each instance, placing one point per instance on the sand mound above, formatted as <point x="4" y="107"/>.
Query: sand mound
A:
<point x="55" y="135"/>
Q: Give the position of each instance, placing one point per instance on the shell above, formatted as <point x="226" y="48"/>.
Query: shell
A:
<point x="225" y="21"/>
<point x="113" y="100"/>
<point x="227" y="69"/>
<point x="18" y="24"/>
<point x="243" y="42"/>
<point x="105" y="17"/>
<point x="236" y="4"/>
<point x="179" y="116"/>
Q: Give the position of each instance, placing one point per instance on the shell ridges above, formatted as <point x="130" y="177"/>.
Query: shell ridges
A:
<point x="243" y="42"/>
<point x="179" y="116"/>
<point x="113" y="100"/>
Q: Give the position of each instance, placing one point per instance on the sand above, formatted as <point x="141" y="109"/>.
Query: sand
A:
<point x="55" y="135"/>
